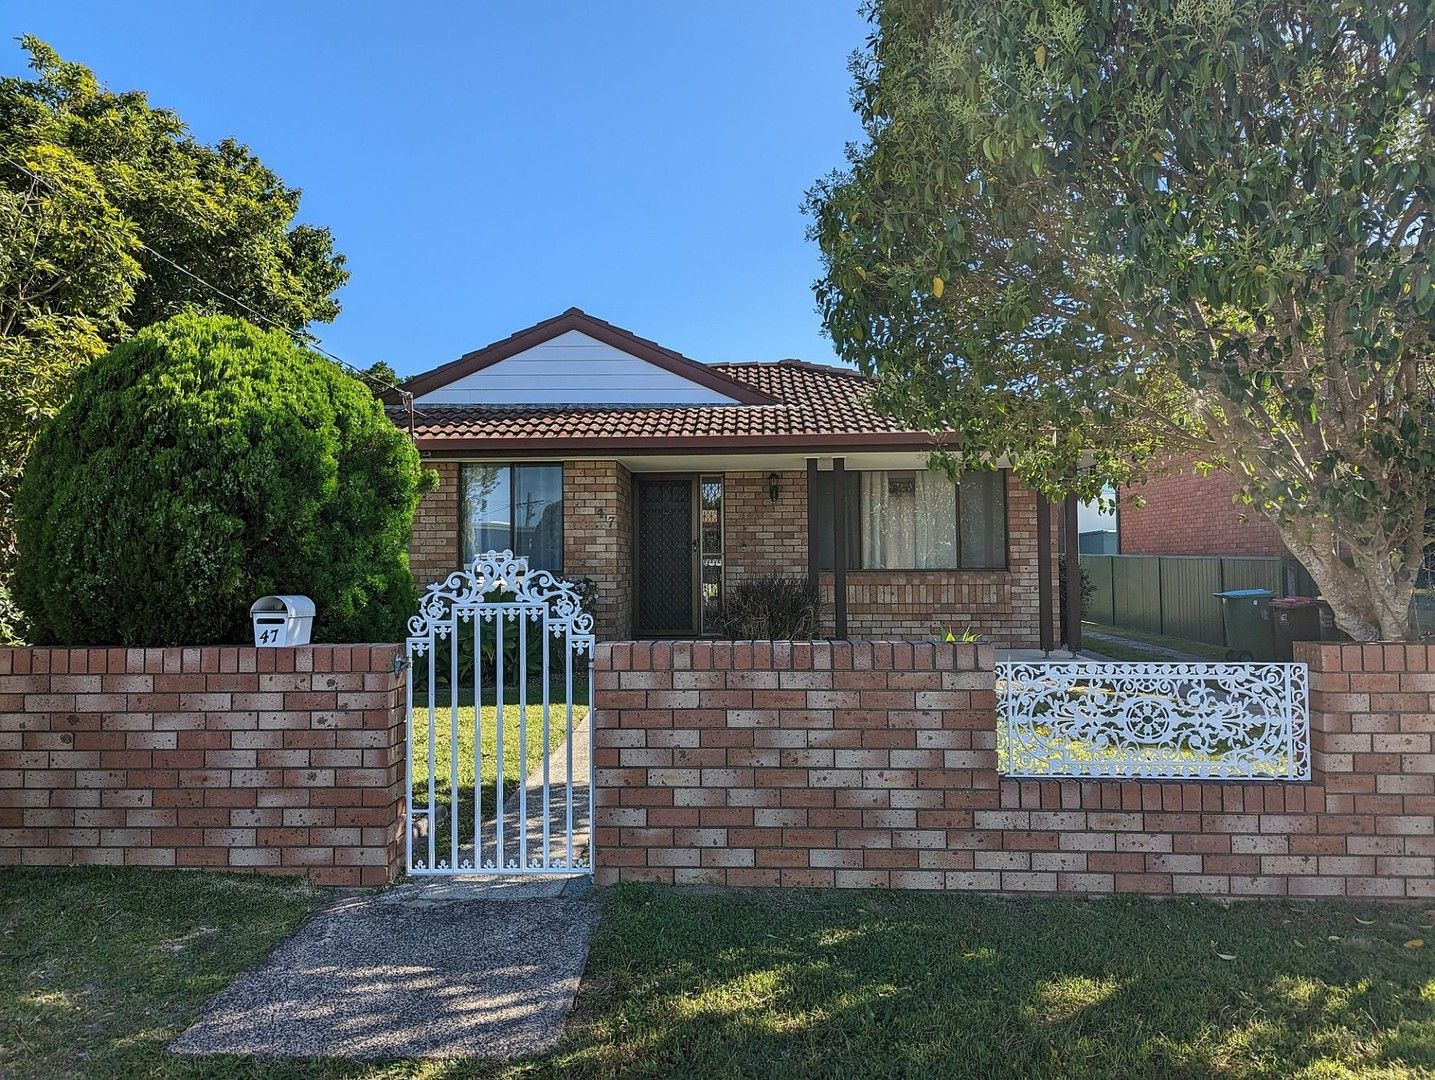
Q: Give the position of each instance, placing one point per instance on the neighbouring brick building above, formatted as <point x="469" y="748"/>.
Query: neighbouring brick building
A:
<point x="667" y="482"/>
<point x="1185" y="513"/>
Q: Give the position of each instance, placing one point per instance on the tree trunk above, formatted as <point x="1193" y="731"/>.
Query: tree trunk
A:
<point x="1370" y="594"/>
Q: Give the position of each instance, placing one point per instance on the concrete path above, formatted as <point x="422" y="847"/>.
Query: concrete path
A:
<point x="437" y="968"/>
<point x="523" y="809"/>
<point x="1037" y="655"/>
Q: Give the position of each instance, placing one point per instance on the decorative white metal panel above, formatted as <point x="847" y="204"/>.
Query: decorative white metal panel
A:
<point x="494" y="614"/>
<point x="1173" y="721"/>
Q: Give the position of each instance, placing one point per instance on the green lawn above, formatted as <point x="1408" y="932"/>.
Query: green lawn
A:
<point x="514" y="767"/>
<point x="102" y="968"/>
<point x="1124" y="652"/>
<point x="891" y="984"/>
<point x="1115" y="650"/>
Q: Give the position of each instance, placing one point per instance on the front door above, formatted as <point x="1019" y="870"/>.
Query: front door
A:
<point x="666" y="556"/>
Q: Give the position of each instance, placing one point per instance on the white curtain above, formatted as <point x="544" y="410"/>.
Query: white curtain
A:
<point x="909" y="521"/>
<point x="935" y="510"/>
<point x="877" y="535"/>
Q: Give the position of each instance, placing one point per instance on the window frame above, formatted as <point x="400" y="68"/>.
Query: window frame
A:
<point x="512" y="467"/>
<point x="854" y="512"/>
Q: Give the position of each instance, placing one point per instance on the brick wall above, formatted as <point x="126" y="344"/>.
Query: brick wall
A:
<point x="760" y="537"/>
<point x="1185" y="513"/>
<point x="433" y="544"/>
<point x="286" y="761"/>
<point x="873" y="764"/>
<point x="597" y="539"/>
<point x="764" y="537"/>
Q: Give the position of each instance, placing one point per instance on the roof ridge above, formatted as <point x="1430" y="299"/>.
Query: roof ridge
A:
<point x="793" y="362"/>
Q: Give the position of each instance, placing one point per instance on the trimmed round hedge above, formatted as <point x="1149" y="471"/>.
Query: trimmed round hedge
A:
<point x="200" y="465"/>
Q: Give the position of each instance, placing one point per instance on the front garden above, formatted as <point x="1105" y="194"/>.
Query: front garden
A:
<point x="102" y="967"/>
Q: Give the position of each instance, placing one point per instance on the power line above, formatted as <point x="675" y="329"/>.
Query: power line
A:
<point x="297" y="338"/>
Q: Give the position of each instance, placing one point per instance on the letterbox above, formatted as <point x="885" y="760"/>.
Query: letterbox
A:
<point x="282" y="620"/>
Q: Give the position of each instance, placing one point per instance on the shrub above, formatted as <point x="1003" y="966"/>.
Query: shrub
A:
<point x="200" y="465"/>
<point x="773" y="608"/>
<point x="1088" y="590"/>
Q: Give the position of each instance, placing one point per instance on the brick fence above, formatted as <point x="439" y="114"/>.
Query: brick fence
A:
<point x="874" y="764"/>
<point x="280" y="760"/>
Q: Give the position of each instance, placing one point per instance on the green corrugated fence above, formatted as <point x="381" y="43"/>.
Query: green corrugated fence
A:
<point x="1174" y="594"/>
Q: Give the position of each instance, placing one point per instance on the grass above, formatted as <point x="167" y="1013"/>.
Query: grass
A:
<point x="1116" y="650"/>
<point x="515" y="765"/>
<point x="1198" y="648"/>
<point x="102" y="968"/>
<point x="893" y="984"/>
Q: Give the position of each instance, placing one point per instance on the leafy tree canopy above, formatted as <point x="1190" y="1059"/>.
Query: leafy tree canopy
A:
<point x="1079" y="234"/>
<point x="204" y="463"/>
<point x="100" y="195"/>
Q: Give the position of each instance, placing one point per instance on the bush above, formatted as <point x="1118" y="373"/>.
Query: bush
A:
<point x="773" y="608"/>
<point x="1088" y="590"/>
<point x="200" y="465"/>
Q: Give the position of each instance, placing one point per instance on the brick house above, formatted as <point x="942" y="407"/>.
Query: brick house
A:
<point x="1185" y="513"/>
<point x="665" y="481"/>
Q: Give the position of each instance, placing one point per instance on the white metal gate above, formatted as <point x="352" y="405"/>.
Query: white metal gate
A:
<point x="496" y="653"/>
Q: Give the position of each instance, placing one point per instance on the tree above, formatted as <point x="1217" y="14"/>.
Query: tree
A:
<point x="204" y="463"/>
<point x="100" y="196"/>
<point x="1079" y="234"/>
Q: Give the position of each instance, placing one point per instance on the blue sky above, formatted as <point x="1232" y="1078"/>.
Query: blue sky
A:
<point x="487" y="165"/>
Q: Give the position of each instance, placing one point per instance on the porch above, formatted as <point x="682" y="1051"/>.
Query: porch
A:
<point x="662" y="539"/>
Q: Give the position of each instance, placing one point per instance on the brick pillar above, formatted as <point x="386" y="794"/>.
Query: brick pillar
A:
<point x="1372" y="718"/>
<point x="597" y="539"/>
<point x="433" y="543"/>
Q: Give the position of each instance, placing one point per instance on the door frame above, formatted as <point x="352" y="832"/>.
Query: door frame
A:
<point x="694" y="552"/>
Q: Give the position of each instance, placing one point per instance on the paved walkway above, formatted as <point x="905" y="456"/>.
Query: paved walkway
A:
<point x="523" y="815"/>
<point x="437" y="968"/>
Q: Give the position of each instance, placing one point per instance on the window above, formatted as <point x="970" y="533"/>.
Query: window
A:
<point x="916" y="519"/>
<point x="823" y="545"/>
<point x="711" y="538"/>
<point x="512" y="506"/>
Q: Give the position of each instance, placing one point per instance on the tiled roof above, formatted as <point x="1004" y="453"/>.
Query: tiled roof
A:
<point x="815" y="405"/>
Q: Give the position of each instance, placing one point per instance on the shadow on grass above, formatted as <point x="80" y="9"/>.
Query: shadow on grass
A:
<point x="102" y="968"/>
<point x="870" y="984"/>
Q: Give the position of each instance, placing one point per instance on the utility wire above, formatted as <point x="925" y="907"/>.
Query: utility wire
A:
<point x="296" y="337"/>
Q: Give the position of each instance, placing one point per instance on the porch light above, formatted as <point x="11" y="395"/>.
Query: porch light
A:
<point x="772" y="491"/>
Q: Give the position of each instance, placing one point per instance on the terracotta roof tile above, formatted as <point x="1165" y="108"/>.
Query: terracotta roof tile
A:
<point x="815" y="404"/>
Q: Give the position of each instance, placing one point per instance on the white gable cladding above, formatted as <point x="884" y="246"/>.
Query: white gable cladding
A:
<point x="573" y="369"/>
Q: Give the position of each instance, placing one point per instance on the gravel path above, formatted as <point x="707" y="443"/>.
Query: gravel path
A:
<point x="430" y="969"/>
